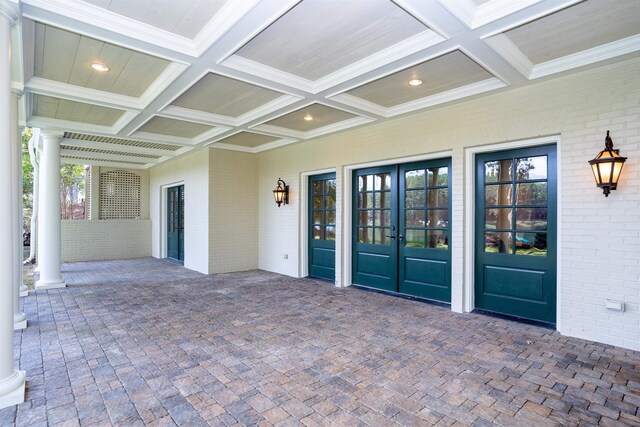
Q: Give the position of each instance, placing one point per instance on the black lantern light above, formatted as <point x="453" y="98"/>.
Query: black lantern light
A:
<point x="607" y="166"/>
<point x="281" y="193"/>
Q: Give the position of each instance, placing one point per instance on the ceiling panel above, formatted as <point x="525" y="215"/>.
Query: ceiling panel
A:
<point x="438" y="75"/>
<point x="248" y="139"/>
<point x="62" y="109"/>
<point x="173" y="127"/>
<point x="577" y="28"/>
<point x="221" y="95"/>
<point x="318" y="37"/>
<point x="67" y="57"/>
<point x="321" y="114"/>
<point x="185" y="18"/>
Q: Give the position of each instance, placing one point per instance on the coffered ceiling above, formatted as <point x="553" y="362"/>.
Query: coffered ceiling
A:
<point x="254" y="75"/>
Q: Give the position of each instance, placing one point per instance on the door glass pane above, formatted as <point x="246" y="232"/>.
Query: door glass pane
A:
<point x="531" y="218"/>
<point x="498" y="195"/>
<point x="318" y="187"/>
<point x="414" y="218"/>
<point x="380" y="236"/>
<point x="365" y="200"/>
<point x="437" y="218"/>
<point x="414" y="199"/>
<point x="438" y="177"/>
<point x="317" y="202"/>
<point x="534" y="193"/>
<point x="437" y="197"/>
<point x="317" y="217"/>
<point x="317" y="232"/>
<point x="531" y="168"/>
<point x="365" y="235"/>
<point x="497" y="171"/>
<point x="330" y="202"/>
<point x="497" y="242"/>
<point x="414" y="179"/>
<point x="365" y="218"/>
<point x="383" y="199"/>
<point x="330" y="233"/>
<point x="498" y="219"/>
<point x="330" y="186"/>
<point x="365" y="183"/>
<point x="414" y="238"/>
<point x="531" y="244"/>
<point x="383" y="181"/>
<point x="331" y="217"/>
<point x="382" y="218"/>
<point x="437" y="239"/>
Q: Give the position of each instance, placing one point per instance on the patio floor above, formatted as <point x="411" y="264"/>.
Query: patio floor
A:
<point x="148" y="342"/>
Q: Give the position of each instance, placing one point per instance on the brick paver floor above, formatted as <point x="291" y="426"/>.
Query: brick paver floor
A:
<point x="149" y="342"/>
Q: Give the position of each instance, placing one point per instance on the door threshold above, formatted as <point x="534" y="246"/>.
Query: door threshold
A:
<point x="517" y="319"/>
<point x="175" y="261"/>
<point x="403" y="296"/>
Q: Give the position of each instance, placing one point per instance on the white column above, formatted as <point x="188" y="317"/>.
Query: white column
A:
<point x="12" y="381"/>
<point x="19" y="318"/>
<point x="49" y="249"/>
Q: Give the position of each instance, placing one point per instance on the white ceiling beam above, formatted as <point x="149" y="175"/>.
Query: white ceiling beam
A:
<point x="103" y="156"/>
<point x="79" y="143"/>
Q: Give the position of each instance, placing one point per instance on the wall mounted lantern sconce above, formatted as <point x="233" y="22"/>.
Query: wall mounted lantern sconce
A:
<point x="607" y="166"/>
<point x="281" y="193"/>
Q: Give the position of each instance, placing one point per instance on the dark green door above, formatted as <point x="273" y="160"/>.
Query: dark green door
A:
<point x="322" y="226"/>
<point x="515" y="271"/>
<point x="425" y="258"/>
<point x="401" y="229"/>
<point x="175" y="223"/>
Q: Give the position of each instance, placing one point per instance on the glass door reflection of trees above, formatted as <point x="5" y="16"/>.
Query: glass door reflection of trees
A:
<point x="427" y="208"/>
<point x="516" y="206"/>
<point x="324" y="209"/>
<point x="374" y="209"/>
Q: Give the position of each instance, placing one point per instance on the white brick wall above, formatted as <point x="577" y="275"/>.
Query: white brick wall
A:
<point x="105" y="239"/>
<point x="233" y="207"/>
<point x="193" y="171"/>
<point x="600" y="237"/>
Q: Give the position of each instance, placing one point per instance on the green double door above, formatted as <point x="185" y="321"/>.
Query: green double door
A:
<point x="175" y="222"/>
<point x="322" y="229"/>
<point x="515" y="261"/>
<point x="401" y="229"/>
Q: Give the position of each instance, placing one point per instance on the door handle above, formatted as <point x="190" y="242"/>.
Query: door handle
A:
<point x="400" y="238"/>
<point x="392" y="236"/>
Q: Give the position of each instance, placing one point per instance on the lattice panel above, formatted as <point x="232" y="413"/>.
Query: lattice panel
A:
<point x="119" y="195"/>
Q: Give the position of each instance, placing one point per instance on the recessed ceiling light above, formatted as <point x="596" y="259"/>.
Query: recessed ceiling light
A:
<point x="308" y="117"/>
<point x="415" y="82"/>
<point x="99" y="67"/>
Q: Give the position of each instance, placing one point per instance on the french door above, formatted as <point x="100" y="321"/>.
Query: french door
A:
<point x="175" y="222"/>
<point x="322" y="226"/>
<point x="401" y="229"/>
<point x="515" y="253"/>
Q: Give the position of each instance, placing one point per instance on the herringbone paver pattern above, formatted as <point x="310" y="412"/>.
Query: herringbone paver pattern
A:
<point x="148" y="342"/>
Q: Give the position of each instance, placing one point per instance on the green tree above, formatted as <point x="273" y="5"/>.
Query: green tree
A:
<point x="27" y="170"/>
<point x="71" y="178"/>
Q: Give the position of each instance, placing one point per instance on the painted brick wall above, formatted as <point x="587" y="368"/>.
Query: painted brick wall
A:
<point x="192" y="171"/>
<point x="105" y="239"/>
<point x="600" y="237"/>
<point x="233" y="207"/>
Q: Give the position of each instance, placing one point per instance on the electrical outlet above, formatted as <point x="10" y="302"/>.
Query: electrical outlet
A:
<point x="614" y="305"/>
<point x="285" y="256"/>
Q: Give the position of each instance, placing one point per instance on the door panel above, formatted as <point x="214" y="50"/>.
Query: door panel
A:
<point x="516" y="233"/>
<point x="375" y="255"/>
<point x="401" y="229"/>
<point x="322" y="226"/>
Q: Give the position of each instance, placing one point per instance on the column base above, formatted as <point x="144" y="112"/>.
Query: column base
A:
<point x="50" y="284"/>
<point x="24" y="291"/>
<point x="12" y="389"/>
<point x="19" y="321"/>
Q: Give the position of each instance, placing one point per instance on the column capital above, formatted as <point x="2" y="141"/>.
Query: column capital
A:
<point x="51" y="134"/>
<point x="10" y="9"/>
